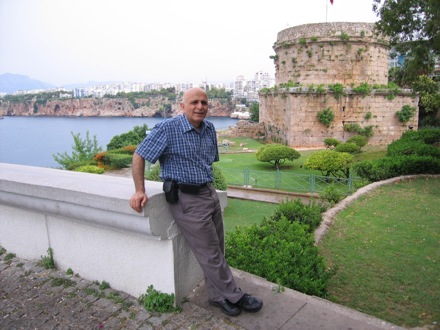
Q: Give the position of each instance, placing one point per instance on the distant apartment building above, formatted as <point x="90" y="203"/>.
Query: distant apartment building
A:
<point x="80" y="92"/>
<point x="248" y="88"/>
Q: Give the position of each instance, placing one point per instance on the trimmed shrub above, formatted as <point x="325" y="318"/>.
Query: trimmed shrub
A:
<point x="276" y="154"/>
<point x="307" y="214"/>
<point x="90" y="169"/>
<point x="412" y="147"/>
<point x="427" y="135"/>
<point x="347" y="147"/>
<point x="117" y="161"/>
<point x="73" y="166"/>
<point x="331" y="143"/>
<point x="282" y="252"/>
<point x="359" y="140"/>
<point x="389" y="167"/>
<point x="330" y="162"/>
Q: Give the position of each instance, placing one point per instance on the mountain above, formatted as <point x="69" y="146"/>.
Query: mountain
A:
<point x="10" y="83"/>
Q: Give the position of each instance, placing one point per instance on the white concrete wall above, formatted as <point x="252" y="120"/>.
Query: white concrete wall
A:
<point x="88" y="223"/>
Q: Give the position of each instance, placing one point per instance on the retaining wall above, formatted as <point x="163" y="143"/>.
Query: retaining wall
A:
<point x="87" y="222"/>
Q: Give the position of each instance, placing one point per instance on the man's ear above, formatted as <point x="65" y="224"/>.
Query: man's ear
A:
<point x="182" y="106"/>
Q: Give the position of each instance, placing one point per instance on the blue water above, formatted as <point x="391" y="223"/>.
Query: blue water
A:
<point x="33" y="140"/>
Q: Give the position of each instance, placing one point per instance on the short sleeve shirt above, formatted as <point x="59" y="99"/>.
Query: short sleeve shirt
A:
<point x="185" y="154"/>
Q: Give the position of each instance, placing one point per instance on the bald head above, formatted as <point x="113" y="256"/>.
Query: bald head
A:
<point x="195" y="105"/>
<point x="192" y="91"/>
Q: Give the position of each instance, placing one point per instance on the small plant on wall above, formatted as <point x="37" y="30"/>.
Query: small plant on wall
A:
<point x="326" y="116"/>
<point x="406" y="113"/>
<point x="337" y="89"/>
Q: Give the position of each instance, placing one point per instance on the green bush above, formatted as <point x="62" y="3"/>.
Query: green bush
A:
<point x="117" y="161"/>
<point x="412" y="147"/>
<point x="82" y="150"/>
<point x="307" y="214"/>
<point x="331" y="143"/>
<point x="330" y="162"/>
<point x="347" y="147"/>
<point x="427" y="135"/>
<point x="90" y="169"/>
<point x="133" y="137"/>
<point x="359" y="140"/>
<point x="219" y="179"/>
<point x="389" y="167"/>
<point x="282" y="252"/>
<point x="73" y="166"/>
<point x="276" y="154"/>
<point x="332" y="194"/>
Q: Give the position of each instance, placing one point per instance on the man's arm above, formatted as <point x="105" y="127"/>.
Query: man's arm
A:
<point x="139" y="199"/>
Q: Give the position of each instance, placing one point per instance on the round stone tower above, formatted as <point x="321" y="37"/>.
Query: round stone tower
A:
<point x="310" y="61"/>
<point x="331" y="53"/>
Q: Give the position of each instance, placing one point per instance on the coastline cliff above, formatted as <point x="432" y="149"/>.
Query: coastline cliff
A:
<point x="158" y="106"/>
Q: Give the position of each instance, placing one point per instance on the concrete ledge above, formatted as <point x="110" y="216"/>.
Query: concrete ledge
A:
<point x="88" y="223"/>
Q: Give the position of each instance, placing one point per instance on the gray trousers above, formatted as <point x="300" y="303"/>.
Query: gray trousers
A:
<point x="200" y="221"/>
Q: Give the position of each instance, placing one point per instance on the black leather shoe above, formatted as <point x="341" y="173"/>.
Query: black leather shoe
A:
<point x="249" y="303"/>
<point x="227" y="307"/>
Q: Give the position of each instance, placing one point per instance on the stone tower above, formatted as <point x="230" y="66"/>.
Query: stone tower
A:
<point x="313" y="56"/>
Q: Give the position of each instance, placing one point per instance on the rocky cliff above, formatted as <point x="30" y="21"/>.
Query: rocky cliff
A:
<point x="107" y="107"/>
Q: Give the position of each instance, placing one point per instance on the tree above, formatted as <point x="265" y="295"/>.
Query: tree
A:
<point x="429" y="103"/>
<point x="133" y="138"/>
<point x="276" y="154"/>
<point x="254" y="111"/>
<point x="83" y="150"/>
<point x="413" y="27"/>
<point x="330" y="162"/>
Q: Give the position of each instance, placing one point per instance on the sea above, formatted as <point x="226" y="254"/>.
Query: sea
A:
<point x="34" y="140"/>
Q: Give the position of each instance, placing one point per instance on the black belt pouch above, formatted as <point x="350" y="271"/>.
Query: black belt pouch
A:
<point x="171" y="191"/>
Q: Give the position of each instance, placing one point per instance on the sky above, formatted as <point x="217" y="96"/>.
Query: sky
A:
<point x="77" y="41"/>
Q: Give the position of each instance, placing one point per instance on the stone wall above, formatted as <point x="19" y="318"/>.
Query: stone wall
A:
<point x="245" y="128"/>
<point x="292" y="117"/>
<point x="331" y="53"/>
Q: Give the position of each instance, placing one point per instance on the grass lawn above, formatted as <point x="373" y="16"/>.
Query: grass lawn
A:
<point x="245" y="213"/>
<point x="386" y="248"/>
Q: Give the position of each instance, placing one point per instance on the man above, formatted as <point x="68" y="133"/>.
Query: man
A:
<point x="186" y="147"/>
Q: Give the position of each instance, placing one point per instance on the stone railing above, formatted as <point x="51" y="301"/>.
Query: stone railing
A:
<point x="87" y="222"/>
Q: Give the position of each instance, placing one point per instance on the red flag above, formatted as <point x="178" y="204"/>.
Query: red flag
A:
<point x="331" y="1"/>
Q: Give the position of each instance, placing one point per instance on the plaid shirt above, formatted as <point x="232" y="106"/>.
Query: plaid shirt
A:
<point x="185" y="155"/>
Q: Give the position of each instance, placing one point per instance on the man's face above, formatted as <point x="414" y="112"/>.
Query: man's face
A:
<point x="195" y="106"/>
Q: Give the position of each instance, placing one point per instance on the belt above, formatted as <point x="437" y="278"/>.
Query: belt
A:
<point x="191" y="188"/>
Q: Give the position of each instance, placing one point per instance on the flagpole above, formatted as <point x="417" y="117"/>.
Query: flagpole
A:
<point x="326" y="10"/>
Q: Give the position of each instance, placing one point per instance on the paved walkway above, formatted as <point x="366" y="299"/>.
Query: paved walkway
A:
<point x="32" y="297"/>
